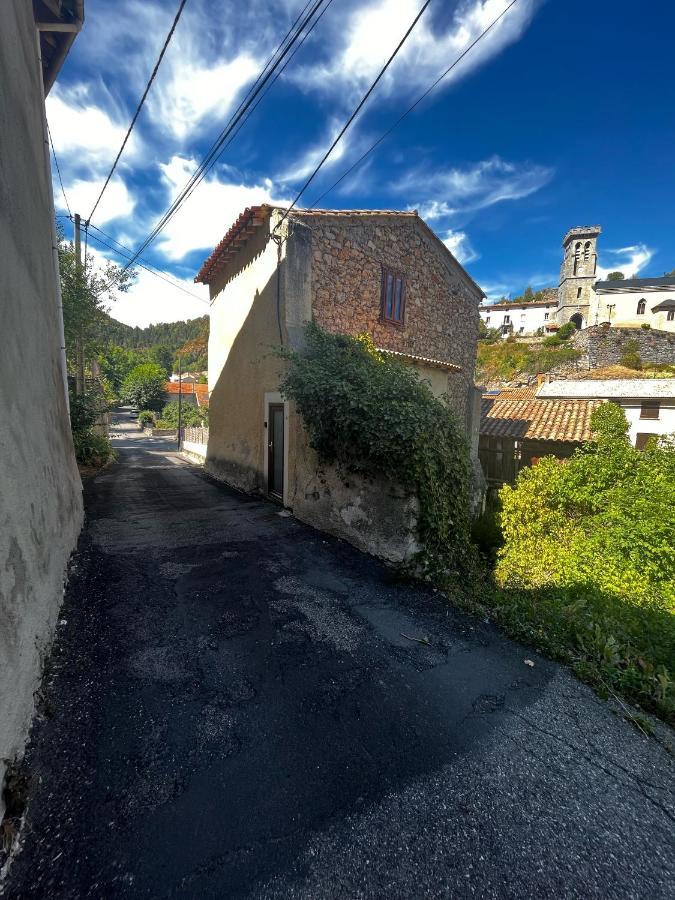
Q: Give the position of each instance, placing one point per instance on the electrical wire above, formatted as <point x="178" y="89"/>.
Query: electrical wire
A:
<point x="355" y="113"/>
<point x="58" y="171"/>
<point x="413" y="106"/>
<point x="167" y="41"/>
<point x="210" y="159"/>
<point x="141" y="265"/>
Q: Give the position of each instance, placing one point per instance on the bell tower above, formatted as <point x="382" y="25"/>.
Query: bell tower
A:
<point x="576" y="294"/>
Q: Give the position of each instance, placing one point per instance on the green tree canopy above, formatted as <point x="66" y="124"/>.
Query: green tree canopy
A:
<point x="144" y="387"/>
<point x="615" y="276"/>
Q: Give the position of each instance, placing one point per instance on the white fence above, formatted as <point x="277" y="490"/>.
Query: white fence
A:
<point x="194" y="442"/>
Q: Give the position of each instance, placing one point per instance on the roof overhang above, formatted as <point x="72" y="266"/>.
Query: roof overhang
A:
<point x="58" y="22"/>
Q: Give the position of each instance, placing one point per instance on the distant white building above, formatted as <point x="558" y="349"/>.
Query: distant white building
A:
<point x="582" y="299"/>
<point x="519" y="318"/>
<point x="636" y="301"/>
<point x="649" y="403"/>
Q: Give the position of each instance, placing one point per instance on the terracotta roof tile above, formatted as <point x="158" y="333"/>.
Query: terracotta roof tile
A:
<point x="171" y="387"/>
<point x="543" y="420"/>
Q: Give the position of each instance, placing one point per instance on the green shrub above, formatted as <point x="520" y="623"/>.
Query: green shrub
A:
<point x="165" y="424"/>
<point x="371" y="413"/>
<point x="92" y="449"/>
<point x="146" y="418"/>
<point x="566" y="331"/>
<point x="646" y="326"/>
<point x="589" y="556"/>
<point x="552" y="341"/>
<point x="144" y="387"/>
<point x="191" y="416"/>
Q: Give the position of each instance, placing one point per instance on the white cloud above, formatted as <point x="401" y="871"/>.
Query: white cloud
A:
<point x="116" y="201"/>
<point x="209" y="211"/>
<point x="152" y="300"/>
<point x="458" y="244"/>
<point x="373" y="30"/>
<point x="193" y="92"/>
<point x="448" y="192"/>
<point x="83" y="133"/>
<point x="629" y="260"/>
<point x="301" y="168"/>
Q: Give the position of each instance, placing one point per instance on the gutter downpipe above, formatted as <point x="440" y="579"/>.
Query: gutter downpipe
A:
<point x="55" y="246"/>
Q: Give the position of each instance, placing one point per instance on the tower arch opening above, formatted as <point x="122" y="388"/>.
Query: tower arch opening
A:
<point x="577" y="320"/>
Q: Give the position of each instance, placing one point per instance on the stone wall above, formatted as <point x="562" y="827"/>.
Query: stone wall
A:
<point x="40" y="489"/>
<point x="441" y="302"/>
<point x="602" y="346"/>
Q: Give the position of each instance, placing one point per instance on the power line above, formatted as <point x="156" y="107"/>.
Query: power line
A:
<point x="414" y="105"/>
<point x="140" y="105"/>
<point x="58" y="171"/>
<point x="213" y="154"/>
<point x="140" y="265"/>
<point x="355" y="113"/>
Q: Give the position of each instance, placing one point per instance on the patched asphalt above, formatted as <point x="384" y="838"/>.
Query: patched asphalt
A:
<point x="234" y="707"/>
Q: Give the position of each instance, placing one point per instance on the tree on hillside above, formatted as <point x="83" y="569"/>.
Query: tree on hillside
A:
<point x="528" y="295"/>
<point x="144" y="387"/>
<point x="615" y="276"/>
<point x="85" y="292"/>
<point x="162" y="356"/>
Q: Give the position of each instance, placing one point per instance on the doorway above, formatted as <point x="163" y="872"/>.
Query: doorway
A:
<point x="275" y="450"/>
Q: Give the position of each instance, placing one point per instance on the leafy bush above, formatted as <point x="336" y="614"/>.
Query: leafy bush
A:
<point x="646" y="326"/>
<point x="191" y="415"/>
<point x="92" y="449"/>
<point x="144" y="387"/>
<point x="372" y="414"/>
<point x="566" y="331"/>
<point x="507" y="359"/>
<point x="630" y="356"/>
<point x="552" y="341"/>
<point x="146" y="418"/>
<point x="589" y="557"/>
<point x="165" y="424"/>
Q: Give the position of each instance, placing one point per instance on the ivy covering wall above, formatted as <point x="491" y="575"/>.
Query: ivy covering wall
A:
<point x="373" y="414"/>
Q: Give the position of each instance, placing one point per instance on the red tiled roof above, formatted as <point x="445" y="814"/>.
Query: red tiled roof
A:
<point x="525" y="392"/>
<point x="543" y="420"/>
<point x="172" y="387"/>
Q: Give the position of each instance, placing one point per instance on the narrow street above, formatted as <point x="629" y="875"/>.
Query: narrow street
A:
<point x="240" y="706"/>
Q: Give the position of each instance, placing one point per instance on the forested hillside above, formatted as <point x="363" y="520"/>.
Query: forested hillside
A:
<point x="169" y="334"/>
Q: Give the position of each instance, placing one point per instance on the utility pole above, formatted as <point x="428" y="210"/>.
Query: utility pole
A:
<point x="79" y="346"/>
<point x="180" y="397"/>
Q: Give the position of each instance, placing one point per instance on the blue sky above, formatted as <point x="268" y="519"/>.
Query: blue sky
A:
<point x="562" y="116"/>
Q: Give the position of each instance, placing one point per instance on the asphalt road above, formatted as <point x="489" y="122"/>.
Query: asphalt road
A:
<point x="231" y="710"/>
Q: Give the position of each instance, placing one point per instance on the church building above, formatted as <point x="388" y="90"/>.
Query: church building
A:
<point x="584" y="300"/>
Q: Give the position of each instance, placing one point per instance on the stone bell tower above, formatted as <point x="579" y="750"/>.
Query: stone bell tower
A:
<point x="576" y="295"/>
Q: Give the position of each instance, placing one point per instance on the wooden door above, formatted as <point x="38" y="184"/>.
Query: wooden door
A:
<point x="275" y="450"/>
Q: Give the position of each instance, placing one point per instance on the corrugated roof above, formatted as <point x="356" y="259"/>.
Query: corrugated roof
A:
<point x="425" y="360"/>
<point x="542" y="420"/>
<point x="610" y="389"/>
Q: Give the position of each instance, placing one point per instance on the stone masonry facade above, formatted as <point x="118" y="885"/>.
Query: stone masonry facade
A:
<point x="602" y="346"/>
<point x="441" y="302"/>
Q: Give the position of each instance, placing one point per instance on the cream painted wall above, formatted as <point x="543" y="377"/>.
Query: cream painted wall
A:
<point x="40" y="488"/>
<point x="625" y="309"/>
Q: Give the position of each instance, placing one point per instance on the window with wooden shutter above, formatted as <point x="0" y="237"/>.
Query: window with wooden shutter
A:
<point x="650" y="409"/>
<point x="393" y="297"/>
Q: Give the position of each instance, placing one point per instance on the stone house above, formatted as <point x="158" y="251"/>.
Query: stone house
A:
<point x="351" y="271"/>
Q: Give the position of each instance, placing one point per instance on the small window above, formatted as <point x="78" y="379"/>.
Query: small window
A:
<point x="650" y="409"/>
<point x="641" y="440"/>
<point x="545" y="317"/>
<point x="487" y="320"/>
<point x="393" y="297"/>
<point x="671" y="315"/>
<point x="521" y="329"/>
<point x="522" y="317"/>
<point x="642" y="305"/>
<point x="587" y="251"/>
<point x="507" y="320"/>
<point x="578" y="293"/>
